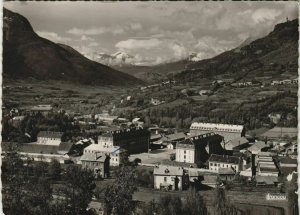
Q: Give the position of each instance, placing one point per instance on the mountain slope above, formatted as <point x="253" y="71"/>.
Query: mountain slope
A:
<point x="274" y="55"/>
<point x="25" y="55"/>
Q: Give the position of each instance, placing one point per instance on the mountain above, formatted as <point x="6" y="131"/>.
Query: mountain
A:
<point x="26" y="55"/>
<point x="275" y="55"/>
<point x="117" y="59"/>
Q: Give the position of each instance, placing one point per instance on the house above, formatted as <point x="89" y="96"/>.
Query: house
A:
<point x="211" y="180"/>
<point x="288" y="162"/>
<point x="138" y="122"/>
<point x="97" y="163"/>
<point x="280" y="133"/>
<point x="228" y="131"/>
<point x="237" y="144"/>
<point x="105" y="117"/>
<point x="43" y="109"/>
<point x="226" y="174"/>
<point x="266" y="165"/>
<point x="168" y="177"/>
<point x="204" y="92"/>
<point x="46" y="153"/>
<point x="198" y="148"/>
<point x="171" y="140"/>
<point x="115" y="153"/>
<point x="257" y="147"/>
<point x="134" y="140"/>
<point x="270" y="181"/>
<point x="49" y="138"/>
<point x="224" y="161"/>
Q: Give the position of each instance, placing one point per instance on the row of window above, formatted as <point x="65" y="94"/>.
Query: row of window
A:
<point x="216" y="129"/>
<point x="220" y="165"/>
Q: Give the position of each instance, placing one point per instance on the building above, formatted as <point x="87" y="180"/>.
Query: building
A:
<point x="134" y="140"/>
<point x="229" y="132"/>
<point x="226" y="174"/>
<point x="198" y="148"/>
<point x="211" y="180"/>
<point x="266" y="165"/>
<point x="49" y="138"/>
<point x="224" y="161"/>
<point x="257" y="147"/>
<point x="114" y="152"/>
<point x="99" y="163"/>
<point x="269" y="181"/>
<point x="105" y="117"/>
<point x="43" y="109"/>
<point x="237" y="144"/>
<point x="168" y="177"/>
<point x="46" y="153"/>
<point x="280" y="133"/>
<point x="171" y="140"/>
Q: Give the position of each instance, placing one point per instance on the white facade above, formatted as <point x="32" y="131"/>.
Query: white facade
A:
<point x="160" y="180"/>
<point x="215" y="166"/>
<point x="53" y="141"/>
<point x="186" y="155"/>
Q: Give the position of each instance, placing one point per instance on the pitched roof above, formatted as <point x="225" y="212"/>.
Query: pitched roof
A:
<point x="215" y="126"/>
<point x="38" y="149"/>
<point x="226" y="171"/>
<point x="65" y="147"/>
<point x="266" y="179"/>
<point x="198" y="139"/>
<point x="176" y="136"/>
<point x="257" y="146"/>
<point x="236" y="142"/>
<point x="168" y="170"/>
<point x="224" y="159"/>
<point x="50" y="134"/>
<point x="288" y="160"/>
<point x="278" y="132"/>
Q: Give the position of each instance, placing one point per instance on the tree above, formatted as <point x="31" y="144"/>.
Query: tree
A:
<point x="118" y="196"/>
<point x="78" y="189"/>
<point x="54" y="169"/>
<point x="172" y="157"/>
<point x="194" y="204"/>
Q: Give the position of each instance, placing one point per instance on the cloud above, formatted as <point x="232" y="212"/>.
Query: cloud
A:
<point x="136" y="26"/>
<point x="179" y="50"/>
<point x="115" y="30"/>
<point x="138" y="44"/>
<point x="85" y="38"/>
<point x="53" y="36"/>
<point x="93" y="44"/>
<point x="265" y="14"/>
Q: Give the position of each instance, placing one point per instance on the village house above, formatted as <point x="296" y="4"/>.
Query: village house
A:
<point x="98" y="163"/>
<point x="134" y="140"/>
<point x="237" y="144"/>
<point x="211" y="180"/>
<point x="45" y="153"/>
<point x="105" y="117"/>
<point x="49" y="138"/>
<point x="198" y="148"/>
<point x="115" y="153"/>
<point x="43" y="109"/>
<point x="168" y="177"/>
<point x="224" y="161"/>
<point x="228" y="131"/>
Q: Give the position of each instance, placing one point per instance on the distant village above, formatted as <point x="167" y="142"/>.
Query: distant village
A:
<point x="206" y="156"/>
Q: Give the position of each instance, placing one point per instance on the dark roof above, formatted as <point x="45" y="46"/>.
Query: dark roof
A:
<point x="65" y="147"/>
<point x="176" y="136"/>
<point x="288" y="160"/>
<point x="92" y="157"/>
<point x="199" y="139"/>
<point x="50" y="134"/>
<point x="38" y="149"/>
<point x="224" y="159"/>
<point x="126" y="133"/>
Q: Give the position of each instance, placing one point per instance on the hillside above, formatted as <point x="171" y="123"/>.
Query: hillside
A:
<point x="26" y="55"/>
<point x="275" y="55"/>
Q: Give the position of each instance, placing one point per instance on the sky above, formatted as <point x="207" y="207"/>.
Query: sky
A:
<point x="154" y="32"/>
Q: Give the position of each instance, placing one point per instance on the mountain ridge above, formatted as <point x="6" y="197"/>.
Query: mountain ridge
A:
<point x="25" y="54"/>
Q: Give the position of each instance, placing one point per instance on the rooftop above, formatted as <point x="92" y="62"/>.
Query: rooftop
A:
<point x="50" y="134"/>
<point x="236" y="142"/>
<point x="199" y="125"/>
<point x="224" y="159"/>
<point x="92" y="157"/>
<point x="168" y="170"/>
<point x="42" y="108"/>
<point x="266" y="179"/>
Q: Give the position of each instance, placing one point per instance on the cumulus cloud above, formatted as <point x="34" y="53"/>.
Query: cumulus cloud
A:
<point x="136" y="26"/>
<point x="265" y="14"/>
<point x="85" y="38"/>
<point x="138" y="44"/>
<point x="53" y="37"/>
<point x="180" y="51"/>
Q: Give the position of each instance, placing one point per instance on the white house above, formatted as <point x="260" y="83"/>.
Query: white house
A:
<point x="217" y="162"/>
<point x="49" y="138"/>
<point x="168" y="177"/>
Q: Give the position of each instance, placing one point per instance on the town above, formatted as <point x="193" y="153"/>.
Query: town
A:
<point x="206" y="156"/>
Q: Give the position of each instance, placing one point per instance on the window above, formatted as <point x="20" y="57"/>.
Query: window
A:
<point x="184" y="157"/>
<point x="165" y="179"/>
<point x="215" y="164"/>
<point x="173" y="178"/>
<point x="184" y="151"/>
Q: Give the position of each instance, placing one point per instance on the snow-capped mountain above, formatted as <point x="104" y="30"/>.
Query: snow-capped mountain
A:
<point x="117" y="59"/>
